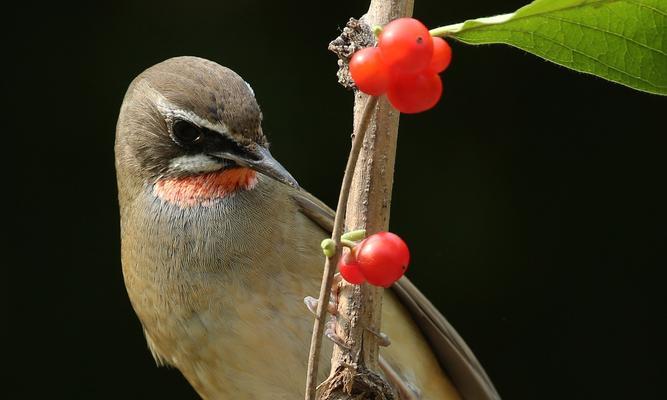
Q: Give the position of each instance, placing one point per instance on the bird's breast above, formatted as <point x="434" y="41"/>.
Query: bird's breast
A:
<point x="219" y="288"/>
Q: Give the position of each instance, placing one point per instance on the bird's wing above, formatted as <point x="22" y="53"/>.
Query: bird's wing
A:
<point x="454" y="355"/>
<point x="452" y="352"/>
<point x="315" y="209"/>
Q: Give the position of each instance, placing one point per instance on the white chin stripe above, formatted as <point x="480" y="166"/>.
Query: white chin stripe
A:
<point x="195" y="163"/>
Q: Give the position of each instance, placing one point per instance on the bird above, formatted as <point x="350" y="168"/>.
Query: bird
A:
<point x="220" y="245"/>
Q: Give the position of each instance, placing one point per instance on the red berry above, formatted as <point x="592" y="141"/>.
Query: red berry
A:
<point x="349" y="268"/>
<point x="442" y="55"/>
<point x="415" y="93"/>
<point x="406" y="45"/>
<point x="383" y="258"/>
<point x="369" y="72"/>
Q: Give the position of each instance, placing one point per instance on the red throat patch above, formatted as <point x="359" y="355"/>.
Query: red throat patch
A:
<point x="204" y="189"/>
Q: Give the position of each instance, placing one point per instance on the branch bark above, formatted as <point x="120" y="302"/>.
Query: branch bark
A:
<point x="355" y="372"/>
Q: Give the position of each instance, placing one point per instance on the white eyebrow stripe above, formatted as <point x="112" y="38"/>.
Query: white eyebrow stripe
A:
<point x="172" y="112"/>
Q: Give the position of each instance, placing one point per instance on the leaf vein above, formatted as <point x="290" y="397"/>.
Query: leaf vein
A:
<point x="537" y="51"/>
<point x="533" y="15"/>
<point x="594" y="28"/>
<point x="644" y="5"/>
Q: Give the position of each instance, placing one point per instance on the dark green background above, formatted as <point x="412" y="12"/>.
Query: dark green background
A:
<point x="531" y="196"/>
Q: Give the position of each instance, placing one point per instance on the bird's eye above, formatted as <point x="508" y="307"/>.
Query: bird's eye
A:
<point x="186" y="133"/>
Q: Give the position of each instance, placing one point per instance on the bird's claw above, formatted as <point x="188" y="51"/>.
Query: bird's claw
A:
<point x="311" y="304"/>
<point x="383" y="339"/>
<point x="330" y="333"/>
<point x="330" y="327"/>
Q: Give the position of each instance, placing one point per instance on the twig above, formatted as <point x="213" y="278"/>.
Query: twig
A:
<point x="330" y="263"/>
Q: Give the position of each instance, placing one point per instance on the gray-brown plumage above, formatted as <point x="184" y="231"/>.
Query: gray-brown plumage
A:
<point x="220" y="246"/>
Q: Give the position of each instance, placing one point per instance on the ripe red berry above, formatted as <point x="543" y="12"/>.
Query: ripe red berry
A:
<point x="415" y="93"/>
<point x="349" y="269"/>
<point x="369" y="72"/>
<point x="406" y="45"/>
<point x="442" y="55"/>
<point x="382" y="258"/>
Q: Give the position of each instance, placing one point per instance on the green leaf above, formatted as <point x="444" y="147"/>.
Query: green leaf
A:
<point x="624" y="41"/>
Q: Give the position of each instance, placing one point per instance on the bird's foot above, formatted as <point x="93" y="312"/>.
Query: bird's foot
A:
<point x="383" y="339"/>
<point x="311" y="302"/>
<point x="332" y="308"/>
<point x="330" y="333"/>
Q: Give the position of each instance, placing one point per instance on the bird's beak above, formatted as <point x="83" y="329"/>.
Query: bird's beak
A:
<point x="260" y="159"/>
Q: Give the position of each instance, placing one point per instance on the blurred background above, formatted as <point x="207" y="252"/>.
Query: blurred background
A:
<point x="531" y="196"/>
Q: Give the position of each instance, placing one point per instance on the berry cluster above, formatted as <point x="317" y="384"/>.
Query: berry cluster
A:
<point x="380" y="259"/>
<point x="405" y="65"/>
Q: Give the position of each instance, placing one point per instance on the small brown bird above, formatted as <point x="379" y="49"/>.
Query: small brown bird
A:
<point x="220" y="246"/>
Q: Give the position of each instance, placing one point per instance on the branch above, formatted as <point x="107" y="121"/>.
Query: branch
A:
<point x="355" y="370"/>
<point x="331" y="262"/>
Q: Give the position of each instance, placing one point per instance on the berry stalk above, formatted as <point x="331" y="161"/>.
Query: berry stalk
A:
<point x="330" y="263"/>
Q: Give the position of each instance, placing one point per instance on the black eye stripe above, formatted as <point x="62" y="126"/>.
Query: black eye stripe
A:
<point x="197" y="139"/>
<point x="214" y="142"/>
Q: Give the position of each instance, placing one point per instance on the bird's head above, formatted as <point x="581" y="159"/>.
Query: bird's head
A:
<point x="191" y="129"/>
